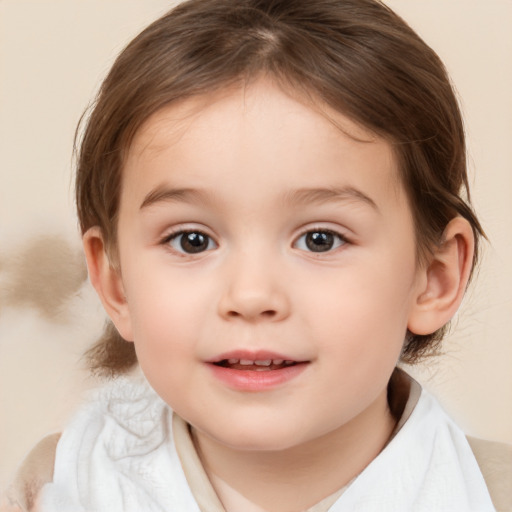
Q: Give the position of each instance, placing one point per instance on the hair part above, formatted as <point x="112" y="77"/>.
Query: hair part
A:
<point x="355" y="56"/>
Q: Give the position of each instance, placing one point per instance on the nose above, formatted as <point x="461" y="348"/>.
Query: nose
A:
<point x="254" y="291"/>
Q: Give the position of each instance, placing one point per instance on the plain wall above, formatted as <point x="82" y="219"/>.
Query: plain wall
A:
<point x="53" y="54"/>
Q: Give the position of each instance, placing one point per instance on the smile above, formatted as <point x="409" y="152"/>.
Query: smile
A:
<point x="260" y="365"/>
<point x="263" y="371"/>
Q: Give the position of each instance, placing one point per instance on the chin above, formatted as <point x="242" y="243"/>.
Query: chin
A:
<point x="260" y="438"/>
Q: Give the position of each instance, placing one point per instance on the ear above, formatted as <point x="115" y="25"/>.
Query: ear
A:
<point x="107" y="281"/>
<point x="444" y="279"/>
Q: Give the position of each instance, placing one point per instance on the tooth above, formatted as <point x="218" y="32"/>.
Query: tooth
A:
<point x="277" y="361"/>
<point x="288" y="362"/>
<point x="233" y="361"/>
<point x="246" y="362"/>
<point x="266" y="362"/>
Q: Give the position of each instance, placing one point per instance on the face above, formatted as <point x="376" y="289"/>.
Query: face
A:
<point x="268" y="264"/>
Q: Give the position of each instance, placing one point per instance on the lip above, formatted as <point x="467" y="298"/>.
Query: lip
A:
<point x="253" y="355"/>
<point x="255" y="380"/>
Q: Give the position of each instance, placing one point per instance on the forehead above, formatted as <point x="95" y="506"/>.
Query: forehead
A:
<point x="243" y="132"/>
<point x="243" y="102"/>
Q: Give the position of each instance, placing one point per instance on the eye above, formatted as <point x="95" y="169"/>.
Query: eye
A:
<point x="319" y="240"/>
<point x="190" y="242"/>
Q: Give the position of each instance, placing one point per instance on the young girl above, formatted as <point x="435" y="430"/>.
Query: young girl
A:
<point x="271" y="196"/>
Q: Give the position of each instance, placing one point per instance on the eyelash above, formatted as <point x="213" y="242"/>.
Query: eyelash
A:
<point x="326" y="236"/>
<point x="337" y="239"/>
<point x="176" y="237"/>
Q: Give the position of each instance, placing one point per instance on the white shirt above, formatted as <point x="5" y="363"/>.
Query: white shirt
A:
<point x="120" y="454"/>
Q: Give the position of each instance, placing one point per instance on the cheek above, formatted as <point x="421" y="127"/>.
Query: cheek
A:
<point x="165" y="340"/>
<point x="162" y="313"/>
<point x="171" y="312"/>
<point x="361" y="301"/>
<point x="361" y="338"/>
<point x="362" y="315"/>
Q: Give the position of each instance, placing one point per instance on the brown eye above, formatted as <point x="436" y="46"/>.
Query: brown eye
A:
<point x="319" y="241"/>
<point x="191" y="242"/>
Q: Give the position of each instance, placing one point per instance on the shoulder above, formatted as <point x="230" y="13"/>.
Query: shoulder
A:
<point x="35" y="471"/>
<point x="115" y="420"/>
<point x="495" y="461"/>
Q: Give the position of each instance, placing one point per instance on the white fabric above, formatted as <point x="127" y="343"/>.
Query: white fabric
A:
<point x="118" y="455"/>
<point x="428" y="466"/>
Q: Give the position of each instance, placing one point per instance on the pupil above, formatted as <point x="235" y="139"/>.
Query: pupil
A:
<point x="319" y="241"/>
<point x="194" y="242"/>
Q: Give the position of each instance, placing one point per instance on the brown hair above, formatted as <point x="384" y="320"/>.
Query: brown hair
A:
<point x="356" y="56"/>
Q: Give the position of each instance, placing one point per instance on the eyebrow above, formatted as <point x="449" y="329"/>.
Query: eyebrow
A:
<point x="163" y="194"/>
<point x="328" y="195"/>
<point x="298" y="197"/>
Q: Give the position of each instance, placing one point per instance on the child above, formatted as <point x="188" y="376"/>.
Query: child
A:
<point x="271" y="199"/>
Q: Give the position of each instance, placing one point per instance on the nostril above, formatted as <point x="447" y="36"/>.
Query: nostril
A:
<point x="252" y="305"/>
<point x="269" y="313"/>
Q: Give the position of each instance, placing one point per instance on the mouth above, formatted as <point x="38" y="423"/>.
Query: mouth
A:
<point x="255" y="365"/>
<point x="258" y="371"/>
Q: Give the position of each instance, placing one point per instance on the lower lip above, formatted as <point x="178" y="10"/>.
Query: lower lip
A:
<point x="251" y="380"/>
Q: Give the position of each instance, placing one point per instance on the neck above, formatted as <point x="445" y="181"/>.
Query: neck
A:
<point x="296" y="478"/>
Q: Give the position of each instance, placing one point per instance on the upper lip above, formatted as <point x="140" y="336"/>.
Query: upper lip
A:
<point x="253" y="355"/>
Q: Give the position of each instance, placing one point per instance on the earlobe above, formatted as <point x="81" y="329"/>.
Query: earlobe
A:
<point x="444" y="280"/>
<point x="107" y="281"/>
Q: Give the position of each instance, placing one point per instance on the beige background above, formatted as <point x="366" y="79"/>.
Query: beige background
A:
<point x="53" y="54"/>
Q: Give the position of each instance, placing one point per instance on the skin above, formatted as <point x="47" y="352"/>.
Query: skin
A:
<point x="240" y="167"/>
